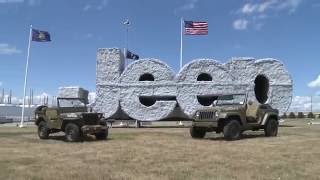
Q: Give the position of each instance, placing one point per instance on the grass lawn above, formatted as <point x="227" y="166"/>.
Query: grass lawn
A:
<point x="163" y="153"/>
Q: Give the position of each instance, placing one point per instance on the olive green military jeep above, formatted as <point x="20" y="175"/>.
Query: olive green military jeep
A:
<point x="71" y="116"/>
<point x="231" y="115"/>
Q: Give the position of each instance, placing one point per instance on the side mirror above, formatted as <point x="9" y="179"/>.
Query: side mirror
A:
<point x="250" y="102"/>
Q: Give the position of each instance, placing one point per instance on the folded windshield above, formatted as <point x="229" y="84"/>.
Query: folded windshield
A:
<point x="71" y="103"/>
<point x="231" y="99"/>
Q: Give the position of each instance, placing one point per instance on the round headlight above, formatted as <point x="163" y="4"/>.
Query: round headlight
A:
<point x="197" y="114"/>
<point x="216" y="113"/>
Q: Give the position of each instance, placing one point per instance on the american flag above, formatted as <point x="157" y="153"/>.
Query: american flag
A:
<point x="195" y="28"/>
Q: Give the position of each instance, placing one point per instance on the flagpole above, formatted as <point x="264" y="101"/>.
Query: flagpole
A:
<point x="126" y="23"/>
<point x="181" y="43"/>
<point x="26" y="78"/>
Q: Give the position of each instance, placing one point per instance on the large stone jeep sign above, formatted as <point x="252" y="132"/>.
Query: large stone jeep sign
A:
<point x="148" y="89"/>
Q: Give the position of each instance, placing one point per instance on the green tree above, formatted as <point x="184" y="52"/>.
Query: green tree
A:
<point x="310" y="115"/>
<point x="292" y="115"/>
<point x="300" y="115"/>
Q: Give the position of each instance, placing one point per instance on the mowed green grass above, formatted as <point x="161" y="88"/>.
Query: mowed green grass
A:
<point x="163" y="153"/>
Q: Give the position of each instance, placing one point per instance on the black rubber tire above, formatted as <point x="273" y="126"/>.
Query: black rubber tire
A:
<point x="43" y="130"/>
<point x="232" y="130"/>
<point x="271" y="128"/>
<point x="102" y="135"/>
<point x="197" y="133"/>
<point x="72" y="133"/>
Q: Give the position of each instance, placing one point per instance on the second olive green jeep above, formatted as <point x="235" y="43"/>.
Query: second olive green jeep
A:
<point x="232" y="114"/>
<point x="71" y="116"/>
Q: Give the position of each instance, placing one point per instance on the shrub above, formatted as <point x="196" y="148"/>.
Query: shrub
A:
<point x="310" y="115"/>
<point x="292" y="115"/>
<point x="300" y="115"/>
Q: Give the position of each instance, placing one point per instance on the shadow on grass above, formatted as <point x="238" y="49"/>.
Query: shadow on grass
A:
<point x="14" y="134"/>
<point x="61" y="138"/>
<point x="243" y="136"/>
<point x="282" y="125"/>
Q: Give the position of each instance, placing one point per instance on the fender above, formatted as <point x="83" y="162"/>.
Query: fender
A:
<point x="266" y="117"/>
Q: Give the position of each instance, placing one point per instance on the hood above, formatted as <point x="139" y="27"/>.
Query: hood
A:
<point x="223" y="108"/>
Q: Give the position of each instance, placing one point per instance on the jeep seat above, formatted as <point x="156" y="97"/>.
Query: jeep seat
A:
<point x="252" y="112"/>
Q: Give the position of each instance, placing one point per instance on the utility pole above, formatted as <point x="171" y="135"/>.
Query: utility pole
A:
<point x="311" y="102"/>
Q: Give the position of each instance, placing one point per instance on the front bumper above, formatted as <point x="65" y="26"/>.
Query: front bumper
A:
<point x="91" y="129"/>
<point x="207" y="124"/>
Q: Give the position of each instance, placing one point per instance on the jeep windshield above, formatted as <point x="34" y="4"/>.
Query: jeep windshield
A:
<point x="233" y="99"/>
<point x="64" y="103"/>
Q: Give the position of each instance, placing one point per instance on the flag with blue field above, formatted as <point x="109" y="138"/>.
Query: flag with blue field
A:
<point x="40" y="36"/>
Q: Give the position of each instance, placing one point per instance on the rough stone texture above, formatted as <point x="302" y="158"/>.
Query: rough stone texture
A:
<point x="110" y="65"/>
<point x="73" y="92"/>
<point x="107" y="99"/>
<point x="280" y="81"/>
<point x="119" y="93"/>
<point x="189" y="88"/>
<point x="132" y="89"/>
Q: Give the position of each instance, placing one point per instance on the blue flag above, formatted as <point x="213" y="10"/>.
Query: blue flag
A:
<point x="131" y="55"/>
<point x="40" y="36"/>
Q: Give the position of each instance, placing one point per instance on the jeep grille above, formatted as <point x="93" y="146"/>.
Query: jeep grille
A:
<point x="206" y="115"/>
<point x="91" y="119"/>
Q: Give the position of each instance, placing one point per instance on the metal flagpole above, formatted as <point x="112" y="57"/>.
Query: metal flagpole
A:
<point x="181" y="36"/>
<point x="181" y="43"/>
<point x="25" y="78"/>
<point x="126" y="23"/>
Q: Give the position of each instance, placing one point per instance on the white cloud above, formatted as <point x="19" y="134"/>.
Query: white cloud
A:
<point x="87" y="7"/>
<point x="256" y="12"/>
<point x="11" y="1"/>
<point x="102" y="5"/>
<point x="240" y="24"/>
<point x="33" y="2"/>
<point x="89" y="35"/>
<point x="315" y="83"/>
<point x="276" y="5"/>
<point x="6" y="49"/>
<point x="189" y="5"/>
<point x="96" y="6"/>
<point x="29" y="2"/>
<point x="301" y="104"/>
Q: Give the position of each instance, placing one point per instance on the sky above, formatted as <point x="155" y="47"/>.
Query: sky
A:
<point x="287" y="30"/>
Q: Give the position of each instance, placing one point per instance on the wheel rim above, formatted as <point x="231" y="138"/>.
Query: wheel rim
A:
<point x="70" y="133"/>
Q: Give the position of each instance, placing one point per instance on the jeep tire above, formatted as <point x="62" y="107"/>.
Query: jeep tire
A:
<point x="271" y="128"/>
<point x="43" y="130"/>
<point x="197" y="132"/>
<point x="73" y="133"/>
<point x="102" y="135"/>
<point x="232" y="130"/>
